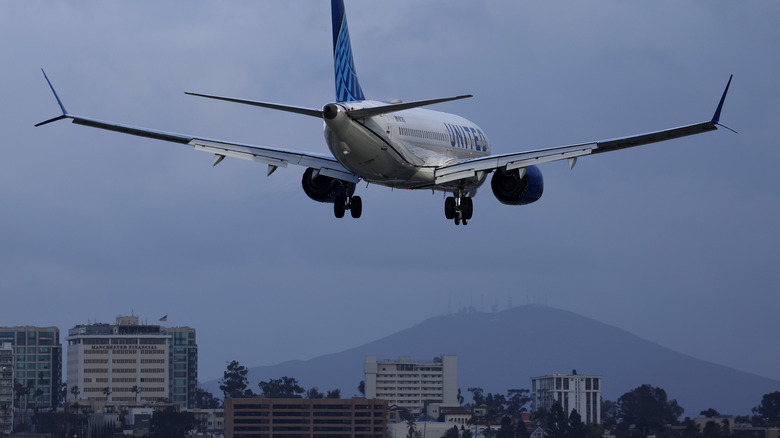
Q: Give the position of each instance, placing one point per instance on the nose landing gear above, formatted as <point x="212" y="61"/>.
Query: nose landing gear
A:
<point x="353" y="203"/>
<point x="460" y="209"/>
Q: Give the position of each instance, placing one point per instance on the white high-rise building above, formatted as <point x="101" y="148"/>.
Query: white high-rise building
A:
<point x="130" y="362"/>
<point x="411" y="385"/>
<point x="572" y="391"/>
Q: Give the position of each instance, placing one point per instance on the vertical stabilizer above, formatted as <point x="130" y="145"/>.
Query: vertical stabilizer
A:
<point x="347" y="85"/>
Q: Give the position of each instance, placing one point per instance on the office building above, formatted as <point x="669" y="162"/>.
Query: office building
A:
<point x="128" y="363"/>
<point x="411" y="385"/>
<point x="183" y="366"/>
<point x="305" y="418"/>
<point x="6" y="387"/>
<point x="37" y="364"/>
<point x="571" y="391"/>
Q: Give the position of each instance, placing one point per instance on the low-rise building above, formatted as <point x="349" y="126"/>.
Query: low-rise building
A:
<point x="305" y="418"/>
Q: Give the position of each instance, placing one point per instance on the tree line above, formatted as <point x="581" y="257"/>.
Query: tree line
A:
<point x="641" y="411"/>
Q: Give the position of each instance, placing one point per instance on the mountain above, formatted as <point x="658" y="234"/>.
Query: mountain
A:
<point x="503" y="350"/>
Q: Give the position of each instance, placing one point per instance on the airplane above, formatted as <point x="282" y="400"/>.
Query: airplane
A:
<point x="398" y="145"/>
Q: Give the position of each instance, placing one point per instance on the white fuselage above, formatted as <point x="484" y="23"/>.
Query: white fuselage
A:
<point x="402" y="149"/>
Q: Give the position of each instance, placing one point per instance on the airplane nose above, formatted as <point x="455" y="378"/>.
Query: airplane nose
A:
<point x="330" y="111"/>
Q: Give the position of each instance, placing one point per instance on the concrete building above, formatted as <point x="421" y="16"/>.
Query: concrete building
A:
<point x="128" y="362"/>
<point x="410" y="385"/>
<point x="6" y="387"/>
<point x="305" y="418"/>
<point x="37" y="364"/>
<point x="572" y="391"/>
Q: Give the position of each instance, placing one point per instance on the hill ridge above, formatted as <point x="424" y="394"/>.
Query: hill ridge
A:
<point x="502" y="350"/>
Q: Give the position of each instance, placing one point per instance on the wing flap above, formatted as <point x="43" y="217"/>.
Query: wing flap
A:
<point x="510" y="161"/>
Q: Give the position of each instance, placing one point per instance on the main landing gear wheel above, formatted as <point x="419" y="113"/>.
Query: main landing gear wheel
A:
<point x="449" y="208"/>
<point x="339" y="206"/>
<point x="459" y="209"/>
<point x="354" y="204"/>
<point x="356" y="207"/>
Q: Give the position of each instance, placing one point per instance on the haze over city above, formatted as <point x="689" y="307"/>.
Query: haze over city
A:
<point x="675" y="242"/>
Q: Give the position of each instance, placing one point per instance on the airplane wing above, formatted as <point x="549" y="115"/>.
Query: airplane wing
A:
<point x="273" y="157"/>
<point x="472" y="168"/>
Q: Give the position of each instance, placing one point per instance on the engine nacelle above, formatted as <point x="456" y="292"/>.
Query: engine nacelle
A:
<point x="510" y="189"/>
<point x="324" y="188"/>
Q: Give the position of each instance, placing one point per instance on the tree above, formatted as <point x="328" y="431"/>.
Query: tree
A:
<point x="451" y="433"/>
<point x="576" y="428"/>
<point x="62" y="394"/>
<point x="168" y="423"/>
<point x="609" y="414"/>
<point x="460" y="398"/>
<point x="767" y="414"/>
<point x="136" y="390"/>
<point x="506" y="431"/>
<point x="205" y="400"/>
<point x="314" y="393"/>
<point x="234" y="383"/>
<point x="335" y="393"/>
<point x="709" y="413"/>
<point x="521" y="430"/>
<point x="557" y="422"/>
<point x="711" y="430"/>
<point x="516" y="401"/>
<point x="691" y="428"/>
<point x="286" y="387"/>
<point x="75" y="391"/>
<point x="107" y="391"/>
<point x="648" y="409"/>
<point x="362" y="387"/>
<point x="476" y="395"/>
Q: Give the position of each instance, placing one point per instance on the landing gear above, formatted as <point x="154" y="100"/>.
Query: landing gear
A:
<point x="459" y="209"/>
<point x="341" y="204"/>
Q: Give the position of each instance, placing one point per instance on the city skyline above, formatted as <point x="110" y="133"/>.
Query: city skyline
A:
<point x="674" y="242"/>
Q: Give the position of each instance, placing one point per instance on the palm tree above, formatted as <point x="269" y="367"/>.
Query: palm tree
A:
<point x="107" y="392"/>
<point x="137" y="390"/>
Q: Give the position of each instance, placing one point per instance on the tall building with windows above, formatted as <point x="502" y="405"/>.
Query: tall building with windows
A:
<point x="411" y="385"/>
<point x="6" y="387"/>
<point x="129" y="362"/>
<point x="37" y="364"/>
<point x="571" y="391"/>
<point x="183" y="366"/>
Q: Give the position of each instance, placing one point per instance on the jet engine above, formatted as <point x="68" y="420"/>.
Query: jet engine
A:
<point x="325" y="189"/>
<point x="509" y="188"/>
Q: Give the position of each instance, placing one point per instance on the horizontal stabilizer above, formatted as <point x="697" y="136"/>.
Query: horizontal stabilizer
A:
<point x="385" y="109"/>
<point x="276" y="106"/>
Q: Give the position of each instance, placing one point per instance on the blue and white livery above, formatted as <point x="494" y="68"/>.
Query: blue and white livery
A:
<point x="398" y="145"/>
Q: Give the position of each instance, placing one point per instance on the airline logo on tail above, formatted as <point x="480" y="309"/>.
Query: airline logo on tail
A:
<point x="347" y="85"/>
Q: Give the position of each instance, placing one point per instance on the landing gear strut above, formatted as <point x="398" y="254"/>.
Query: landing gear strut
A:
<point x="460" y="208"/>
<point x="353" y="203"/>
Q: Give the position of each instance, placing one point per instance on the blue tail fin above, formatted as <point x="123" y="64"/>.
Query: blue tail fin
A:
<point x="347" y="85"/>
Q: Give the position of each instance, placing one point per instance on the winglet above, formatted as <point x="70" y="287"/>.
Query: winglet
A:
<point x="716" y="116"/>
<point x="59" y="102"/>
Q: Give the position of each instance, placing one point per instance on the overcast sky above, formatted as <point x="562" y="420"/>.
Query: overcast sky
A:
<point x="676" y="242"/>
